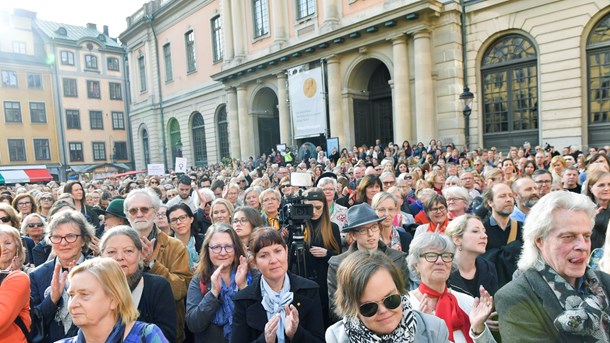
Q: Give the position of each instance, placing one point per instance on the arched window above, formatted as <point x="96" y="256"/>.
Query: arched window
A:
<point x="598" y="67"/>
<point x="145" y="148"/>
<point x="199" y="147"/>
<point x="222" y="132"/>
<point x="174" y="139"/>
<point x="510" y="93"/>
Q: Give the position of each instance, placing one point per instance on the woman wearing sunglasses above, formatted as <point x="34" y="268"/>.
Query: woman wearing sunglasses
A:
<point x="431" y="259"/>
<point x="45" y="202"/>
<point x="221" y="272"/>
<point x="372" y="298"/>
<point x="9" y="216"/>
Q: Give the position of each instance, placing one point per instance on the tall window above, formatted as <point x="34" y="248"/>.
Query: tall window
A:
<point x="9" y="78"/>
<point x="217" y="48"/>
<point x="38" y="113"/>
<point x="34" y="81"/>
<point x="19" y="48"/>
<point x="90" y="61"/>
<point x="93" y="90"/>
<point x="99" y="151"/>
<point x="118" y="121"/>
<point x="199" y="146"/>
<point x="167" y="58"/>
<point x="142" y="71"/>
<point x="260" y="14"/>
<point x="96" y="119"/>
<point x="305" y="8"/>
<point x="16" y="150"/>
<point x="41" y="149"/>
<point x="223" y="133"/>
<point x="145" y="147"/>
<point x="510" y="92"/>
<point x="12" y="112"/>
<point x="70" y="89"/>
<point x="67" y="58"/>
<point x="73" y="119"/>
<point x="598" y="73"/>
<point x="174" y="137"/>
<point x="189" y="42"/>
<point x="115" y="91"/>
<point x="120" y="151"/>
<point x="113" y="63"/>
<point x="76" y="151"/>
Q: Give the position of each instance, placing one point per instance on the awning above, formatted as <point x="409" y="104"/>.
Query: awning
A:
<point x="14" y="175"/>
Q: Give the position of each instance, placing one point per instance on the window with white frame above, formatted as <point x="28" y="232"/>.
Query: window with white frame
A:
<point x="115" y="91"/>
<point x="34" y="81"/>
<point x="16" y="150"/>
<point x="96" y="120"/>
<point x="9" y="78"/>
<point x="70" y="89"/>
<point x="305" y="8"/>
<point x="41" y="149"/>
<point x="76" y="151"/>
<point x="12" y="112"/>
<point x="99" y="151"/>
<point x="38" y="113"/>
<point x="189" y="42"/>
<point x="142" y="73"/>
<point x="217" y="47"/>
<point x="118" y="121"/>
<point x="260" y="16"/>
<point x="167" y="58"/>
<point x="67" y="58"/>
<point x="90" y="61"/>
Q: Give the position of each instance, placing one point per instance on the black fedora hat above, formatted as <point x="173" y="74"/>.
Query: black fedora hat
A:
<point x="360" y="215"/>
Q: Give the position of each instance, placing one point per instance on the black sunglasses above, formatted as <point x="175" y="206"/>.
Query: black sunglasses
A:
<point x="5" y="219"/>
<point x="390" y="302"/>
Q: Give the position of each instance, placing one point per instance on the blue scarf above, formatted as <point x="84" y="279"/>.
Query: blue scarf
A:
<point x="193" y="255"/>
<point x="274" y="302"/>
<point x="224" y="314"/>
<point x="115" y="336"/>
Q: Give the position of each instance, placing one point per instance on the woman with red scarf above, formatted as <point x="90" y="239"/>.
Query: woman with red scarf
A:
<point x="430" y="258"/>
<point x="435" y="209"/>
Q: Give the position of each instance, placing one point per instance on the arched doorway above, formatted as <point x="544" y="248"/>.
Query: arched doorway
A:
<point x="373" y="107"/>
<point x="175" y="142"/>
<point x="222" y="132"/>
<point x="598" y="67"/>
<point x="145" y="147"/>
<point x="267" y="119"/>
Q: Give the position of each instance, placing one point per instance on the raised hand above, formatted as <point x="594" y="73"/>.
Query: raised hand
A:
<point x="242" y="273"/>
<point x="216" y="280"/>
<point x="271" y="328"/>
<point x="148" y="249"/>
<point x="94" y="246"/>
<point x="292" y="321"/>
<point x="16" y="264"/>
<point x="58" y="283"/>
<point x="425" y="305"/>
<point x="481" y="309"/>
<point x="318" y="251"/>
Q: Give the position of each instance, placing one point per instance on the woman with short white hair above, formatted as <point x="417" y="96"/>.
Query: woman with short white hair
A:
<point x="458" y="201"/>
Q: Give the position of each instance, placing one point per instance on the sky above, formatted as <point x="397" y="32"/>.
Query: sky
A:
<point x="81" y="12"/>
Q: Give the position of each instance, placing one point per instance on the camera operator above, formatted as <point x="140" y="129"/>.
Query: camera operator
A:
<point x="322" y="241"/>
<point x="15" y="300"/>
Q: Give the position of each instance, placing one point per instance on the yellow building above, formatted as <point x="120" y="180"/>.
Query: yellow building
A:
<point x="29" y="127"/>
<point x="225" y="73"/>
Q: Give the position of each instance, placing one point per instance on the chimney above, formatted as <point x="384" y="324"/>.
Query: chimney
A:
<point x="92" y="26"/>
<point x="106" y="30"/>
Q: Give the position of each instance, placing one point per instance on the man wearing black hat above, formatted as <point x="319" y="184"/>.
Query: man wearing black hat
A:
<point x="114" y="214"/>
<point x="363" y="228"/>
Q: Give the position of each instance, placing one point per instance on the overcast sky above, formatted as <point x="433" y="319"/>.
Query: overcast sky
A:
<point x="81" y="12"/>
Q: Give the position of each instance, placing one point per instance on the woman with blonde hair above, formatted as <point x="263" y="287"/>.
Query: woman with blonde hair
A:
<point x="221" y="211"/>
<point x="102" y="308"/>
<point x="9" y="216"/>
<point x="24" y="204"/>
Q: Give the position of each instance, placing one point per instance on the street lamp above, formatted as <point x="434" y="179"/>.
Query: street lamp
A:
<point x="178" y="148"/>
<point x="466" y="100"/>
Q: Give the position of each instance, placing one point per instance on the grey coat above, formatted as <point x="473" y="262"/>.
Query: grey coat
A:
<point x="429" y="329"/>
<point x="398" y="257"/>
<point x="200" y="310"/>
<point x="527" y="308"/>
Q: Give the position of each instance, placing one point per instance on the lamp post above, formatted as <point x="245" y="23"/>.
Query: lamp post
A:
<point x="466" y="100"/>
<point x="178" y="148"/>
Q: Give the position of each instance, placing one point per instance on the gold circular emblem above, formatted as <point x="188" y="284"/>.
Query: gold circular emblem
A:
<point x="310" y="87"/>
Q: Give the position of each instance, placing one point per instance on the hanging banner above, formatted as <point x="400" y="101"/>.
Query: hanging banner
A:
<point x="307" y="103"/>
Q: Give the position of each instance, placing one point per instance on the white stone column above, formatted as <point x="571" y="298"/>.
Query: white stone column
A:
<point x="233" y="122"/>
<point x="282" y="98"/>
<point x="424" y="92"/>
<point x="227" y="28"/>
<point x="245" y="124"/>
<point x="331" y="13"/>
<point x="402" y="90"/>
<point x="337" y="117"/>
<point x="279" y="16"/>
<point x="239" y="31"/>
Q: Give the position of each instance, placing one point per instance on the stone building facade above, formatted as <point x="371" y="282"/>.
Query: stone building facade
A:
<point x="209" y="78"/>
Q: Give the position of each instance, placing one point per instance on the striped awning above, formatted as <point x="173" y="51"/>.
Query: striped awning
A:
<point x="9" y="175"/>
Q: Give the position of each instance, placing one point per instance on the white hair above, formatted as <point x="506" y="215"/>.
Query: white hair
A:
<point x="540" y="221"/>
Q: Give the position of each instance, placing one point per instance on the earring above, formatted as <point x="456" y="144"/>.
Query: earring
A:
<point x="460" y="248"/>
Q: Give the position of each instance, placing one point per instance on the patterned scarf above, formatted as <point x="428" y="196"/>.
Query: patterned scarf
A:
<point x="585" y="315"/>
<point x="404" y="332"/>
<point x="448" y="309"/>
<point x="224" y="314"/>
<point x="274" y="302"/>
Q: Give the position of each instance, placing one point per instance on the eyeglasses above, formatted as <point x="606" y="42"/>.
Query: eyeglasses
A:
<point x="71" y="238"/>
<point x="161" y="215"/>
<point x="32" y="225"/>
<point x="46" y="198"/>
<point x="134" y="210"/>
<point x="241" y="221"/>
<point x="455" y="199"/>
<point x="217" y="249"/>
<point x="181" y="219"/>
<point x="390" y="302"/>
<point x="432" y="257"/>
<point x="284" y="186"/>
<point x="5" y="219"/>
<point x="438" y="209"/>
<point x="389" y="183"/>
<point x="364" y="231"/>
<point x="242" y="181"/>
<point x="408" y="177"/>
<point x="24" y="203"/>
<point x="328" y="190"/>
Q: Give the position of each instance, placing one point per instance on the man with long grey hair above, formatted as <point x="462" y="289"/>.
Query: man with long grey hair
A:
<point x="557" y="298"/>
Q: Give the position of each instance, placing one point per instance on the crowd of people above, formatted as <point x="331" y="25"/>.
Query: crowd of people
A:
<point x="422" y="243"/>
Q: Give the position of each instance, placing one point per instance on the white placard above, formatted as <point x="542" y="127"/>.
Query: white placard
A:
<point x="307" y="104"/>
<point x="156" y="169"/>
<point x="180" y="165"/>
